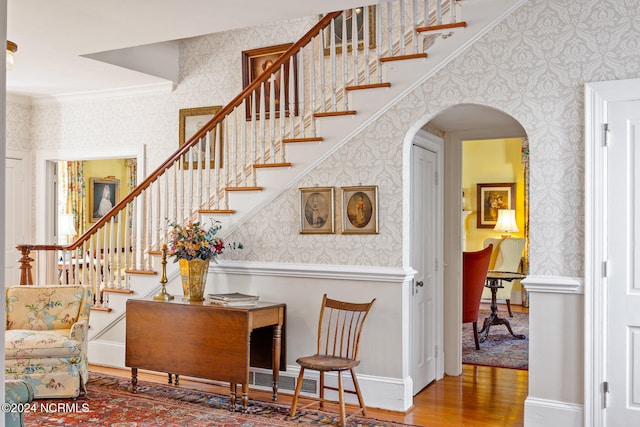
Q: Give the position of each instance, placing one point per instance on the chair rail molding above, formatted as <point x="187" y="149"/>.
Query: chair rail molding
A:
<point x="316" y="271"/>
<point x="554" y="284"/>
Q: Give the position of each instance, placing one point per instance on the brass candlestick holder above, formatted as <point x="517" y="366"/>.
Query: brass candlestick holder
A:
<point x="163" y="295"/>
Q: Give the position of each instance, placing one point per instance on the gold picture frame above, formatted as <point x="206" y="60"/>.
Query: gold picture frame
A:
<point x="360" y="209"/>
<point x="191" y="120"/>
<point x="317" y="210"/>
<point x="254" y="63"/>
<point x="492" y="197"/>
<point x="108" y="191"/>
<point x="359" y="24"/>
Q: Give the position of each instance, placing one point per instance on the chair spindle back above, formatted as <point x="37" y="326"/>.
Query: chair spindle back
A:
<point x="340" y="327"/>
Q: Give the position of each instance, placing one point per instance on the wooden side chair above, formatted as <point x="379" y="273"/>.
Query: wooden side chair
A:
<point x="339" y="331"/>
<point x="474" y="275"/>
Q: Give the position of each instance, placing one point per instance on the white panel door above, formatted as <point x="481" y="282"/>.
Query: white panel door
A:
<point x="424" y="254"/>
<point x="622" y="341"/>
<point x="16" y="219"/>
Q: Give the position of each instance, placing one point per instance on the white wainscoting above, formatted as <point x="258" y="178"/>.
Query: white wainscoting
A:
<point x="556" y="352"/>
<point x="384" y="350"/>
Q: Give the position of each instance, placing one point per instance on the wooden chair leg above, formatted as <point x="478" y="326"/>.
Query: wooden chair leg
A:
<point x="475" y="335"/>
<point x="321" y="390"/>
<point x="343" y="417"/>
<point x="509" y="308"/>
<point x="358" y="393"/>
<point x="294" y="403"/>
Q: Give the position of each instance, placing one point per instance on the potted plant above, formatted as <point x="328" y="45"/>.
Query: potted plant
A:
<point x="194" y="246"/>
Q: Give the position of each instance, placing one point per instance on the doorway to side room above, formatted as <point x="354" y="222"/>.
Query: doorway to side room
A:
<point x="455" y="125"/>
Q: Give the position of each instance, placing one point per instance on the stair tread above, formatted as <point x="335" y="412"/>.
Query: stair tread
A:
<point x="335" y="113"/>
<point x="461" y="24"/>
<point x="217" y="211"/>
<point x="273" y="165"/>
<point x="118" y="291"/>
<point x="404" y="57"/>
<point x="149" y="272"/>
<point x="311" y="139"/>
<point x="369" y="86"/>
<point x="243" y="188"/>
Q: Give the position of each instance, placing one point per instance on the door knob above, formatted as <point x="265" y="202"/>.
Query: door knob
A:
<point x="420" y="284"/>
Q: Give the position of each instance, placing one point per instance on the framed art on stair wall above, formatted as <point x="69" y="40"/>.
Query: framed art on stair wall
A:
<point x="360" y="209"/>
<point x="317" y="210"/>
<point x="254" y="63"/>
<point x="191" y="121"/>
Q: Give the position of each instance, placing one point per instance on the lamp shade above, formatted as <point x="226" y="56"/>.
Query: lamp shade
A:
<point x="506" y="221"/>
<point x="66" y="226"/>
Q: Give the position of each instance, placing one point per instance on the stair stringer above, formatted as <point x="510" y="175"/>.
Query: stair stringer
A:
<point x="404" y="76"/>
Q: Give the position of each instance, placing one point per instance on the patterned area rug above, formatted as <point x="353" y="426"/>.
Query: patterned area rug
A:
<point x="500" y="349"/>
<point x="111" y="404"/>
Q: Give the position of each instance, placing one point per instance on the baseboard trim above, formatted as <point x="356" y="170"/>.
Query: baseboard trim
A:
<point x="107" y="353"/>
<point x="552" y="413"/>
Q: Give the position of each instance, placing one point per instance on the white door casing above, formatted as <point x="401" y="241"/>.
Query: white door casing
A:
<point x="426" y="253"/>
<point x="612" y="283"/>
<point x="17" y="215"/>
<point x="622" y="341"/>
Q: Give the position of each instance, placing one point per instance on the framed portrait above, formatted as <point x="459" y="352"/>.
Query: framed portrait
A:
<point x="254" y="63"/>
<point x="191" y="121"/>
<point x="104" y="193"/>
<point x="360" y="210"/>
<point x="491" y="198"/>
<point x="348" y="38"/>
<point x="317" y="210"/>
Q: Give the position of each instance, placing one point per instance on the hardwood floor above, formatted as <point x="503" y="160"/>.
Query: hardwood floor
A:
<point x="481" y="397"/>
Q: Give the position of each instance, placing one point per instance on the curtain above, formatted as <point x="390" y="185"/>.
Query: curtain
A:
<point x="75" y="190"/>
<point x="132" y="177"/>
<point x="132" y="173"/>
<point x="525" y="267"/>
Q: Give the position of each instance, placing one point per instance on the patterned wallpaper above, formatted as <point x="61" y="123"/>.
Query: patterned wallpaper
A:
<point x="532" y="66"/>
<point x="18" y="125"/>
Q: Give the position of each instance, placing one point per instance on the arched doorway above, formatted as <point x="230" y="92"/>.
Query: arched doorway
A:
<point x="454" y="125"/>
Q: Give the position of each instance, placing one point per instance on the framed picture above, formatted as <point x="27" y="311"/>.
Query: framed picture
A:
<point x="360" y="210"/>
<point x="104" y="193"/>
<point x="317" y="210"/>
<point x="191" y="121"/>
<point x="254" y="63"/>
<point x="491" y="198"/>
<point x="341" y="38"/>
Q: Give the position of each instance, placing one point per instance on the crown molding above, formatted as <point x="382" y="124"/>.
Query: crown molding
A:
<point x="154" y="89"/>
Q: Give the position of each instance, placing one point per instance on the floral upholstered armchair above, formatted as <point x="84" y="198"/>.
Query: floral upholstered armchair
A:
<point x="46" y="338"/>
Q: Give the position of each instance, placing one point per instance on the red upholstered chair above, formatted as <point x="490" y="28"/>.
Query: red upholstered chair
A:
<point x="474" y="274"/>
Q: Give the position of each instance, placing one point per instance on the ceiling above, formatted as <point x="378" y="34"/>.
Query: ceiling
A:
<point x="63" y="46"/>
<point x="53" y="36"/>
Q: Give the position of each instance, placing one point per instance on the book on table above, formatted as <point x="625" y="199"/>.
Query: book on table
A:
<point x="232" y="299"/>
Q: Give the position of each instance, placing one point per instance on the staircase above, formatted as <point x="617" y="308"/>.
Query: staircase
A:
<point x="335" y="92"/>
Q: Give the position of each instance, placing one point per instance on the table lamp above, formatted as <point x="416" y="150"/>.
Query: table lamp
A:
<point x="66" y="228"/>
<point x="506" y="222"/>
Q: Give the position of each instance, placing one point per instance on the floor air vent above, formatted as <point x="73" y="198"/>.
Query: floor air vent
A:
<point x="285" y="383"/>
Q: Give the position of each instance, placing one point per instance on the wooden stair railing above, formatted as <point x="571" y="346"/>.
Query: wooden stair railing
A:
<point x="238" y="141"/>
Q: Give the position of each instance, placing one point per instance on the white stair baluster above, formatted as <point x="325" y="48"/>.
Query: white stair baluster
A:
<point x="334" y="71"/>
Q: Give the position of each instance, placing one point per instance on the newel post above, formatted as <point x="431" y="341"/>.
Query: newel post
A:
<point x="26" y="277"/>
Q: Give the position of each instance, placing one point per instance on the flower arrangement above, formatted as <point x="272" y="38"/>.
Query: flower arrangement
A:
<point x="192" y="241"/>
